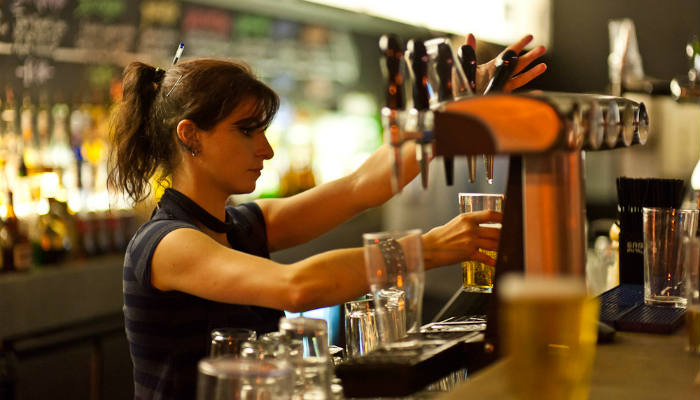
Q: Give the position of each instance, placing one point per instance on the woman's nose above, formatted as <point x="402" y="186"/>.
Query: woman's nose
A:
<point x="264" y="149"/>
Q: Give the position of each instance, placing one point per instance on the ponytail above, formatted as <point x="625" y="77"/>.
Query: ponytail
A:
<point x="135" y="151"/>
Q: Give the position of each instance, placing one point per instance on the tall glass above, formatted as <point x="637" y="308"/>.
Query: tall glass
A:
<point x="664" y="230"/>
<point x="394" y="264"/>
<point x="549" y="328"/>
<point x="477" y="276"/>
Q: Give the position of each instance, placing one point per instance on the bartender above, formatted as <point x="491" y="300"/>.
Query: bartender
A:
<point x="198" y="264"/>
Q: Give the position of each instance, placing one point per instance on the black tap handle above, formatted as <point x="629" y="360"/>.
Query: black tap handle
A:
<point x="443" y="68"/>
<point x="419" y="66"/>
<point x="467" y="58"/>
<point x="444" y="63"/>
<point x="504" y="69"/>
<point x="390" y="62"/>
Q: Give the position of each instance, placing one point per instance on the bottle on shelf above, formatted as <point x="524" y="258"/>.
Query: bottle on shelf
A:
<point x="15" y="244"/>
<point x="30" y="152"/>
<point x="55" y="236"/>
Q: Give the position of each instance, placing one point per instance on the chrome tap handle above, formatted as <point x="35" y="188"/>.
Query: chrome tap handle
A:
<point x="504" y="69"/>
<point x="467" y="59"/>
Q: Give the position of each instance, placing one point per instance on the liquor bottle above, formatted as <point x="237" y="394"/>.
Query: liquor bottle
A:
<point x="29" y="142"/>
<point x="15" y="245"/>
<point x="10" y="139"/>
<point x="55" y="238"/>
<point x="43" y="131"/>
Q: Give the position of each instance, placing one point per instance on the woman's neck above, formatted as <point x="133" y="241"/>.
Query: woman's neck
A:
<point x="210" y="200"/>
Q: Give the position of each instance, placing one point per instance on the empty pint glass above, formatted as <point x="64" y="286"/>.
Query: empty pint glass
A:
<point x="394" y="264"/>
<point x="664" y="230"/>
<point x="477" y="276"/>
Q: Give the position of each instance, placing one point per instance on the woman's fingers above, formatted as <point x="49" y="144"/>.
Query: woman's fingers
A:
<point x="518" y="46"/>
<point x="527" y="58"/>
<point x="486" y="216"/>
<point x="487" y="244"/>
<point x="471" y="41"/>
<point x="484" y="258"/>
<point x="522" y="79"/>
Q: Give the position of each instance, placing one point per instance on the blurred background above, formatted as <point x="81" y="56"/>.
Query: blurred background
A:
<point x="63" y="234"/>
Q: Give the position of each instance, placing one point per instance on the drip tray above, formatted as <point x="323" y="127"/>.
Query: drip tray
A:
<point x="407" y="366"/>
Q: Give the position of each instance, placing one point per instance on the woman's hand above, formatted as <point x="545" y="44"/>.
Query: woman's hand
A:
<point x="461" y="238"/>
<point x="484" y="72"/>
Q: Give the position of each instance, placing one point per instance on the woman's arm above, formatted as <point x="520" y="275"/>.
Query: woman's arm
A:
<point x="302" y="217"/>
<point x="189" y="261"/>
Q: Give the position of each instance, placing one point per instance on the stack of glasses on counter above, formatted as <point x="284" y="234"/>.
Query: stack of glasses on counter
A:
<point x="294" y="362"/>
<point x="54" y="204"/>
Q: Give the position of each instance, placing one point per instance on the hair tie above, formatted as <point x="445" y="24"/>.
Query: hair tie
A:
<point x="158" y="75"/>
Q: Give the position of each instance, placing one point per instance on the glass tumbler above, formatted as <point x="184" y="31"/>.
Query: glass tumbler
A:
<point x="361" y="332"/>
<point x="308" y="353"/>
<point x="227" y="377"/>
<point x="230" y="341"/>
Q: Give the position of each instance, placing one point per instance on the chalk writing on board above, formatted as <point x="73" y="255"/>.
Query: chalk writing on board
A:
<point x="41" y="6"/>
<point x="34" y="34"/>
<point x="105" y="37"/>
<point x="158" y="42"/>
<point x="34" y="71"/>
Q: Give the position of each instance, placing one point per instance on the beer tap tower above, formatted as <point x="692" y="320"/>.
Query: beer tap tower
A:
<point x="545" y="134"/>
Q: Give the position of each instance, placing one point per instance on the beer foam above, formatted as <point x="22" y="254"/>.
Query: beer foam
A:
<point x="517" y="286"/>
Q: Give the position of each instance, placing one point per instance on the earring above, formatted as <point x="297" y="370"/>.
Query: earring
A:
<point x="194" y="153"/>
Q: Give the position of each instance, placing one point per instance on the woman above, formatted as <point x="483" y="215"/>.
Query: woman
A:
<point x="197" y="264"/>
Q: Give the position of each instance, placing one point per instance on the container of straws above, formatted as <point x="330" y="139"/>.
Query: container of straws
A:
<point x="633" y="194"/>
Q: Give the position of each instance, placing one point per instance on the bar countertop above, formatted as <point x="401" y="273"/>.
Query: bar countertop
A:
<point x="635" y="366"/>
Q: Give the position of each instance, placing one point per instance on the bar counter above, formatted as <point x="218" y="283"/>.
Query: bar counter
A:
<point x="635" y="366"/>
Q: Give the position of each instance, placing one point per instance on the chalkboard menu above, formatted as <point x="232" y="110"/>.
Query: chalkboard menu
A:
<point x="81" y="46"/>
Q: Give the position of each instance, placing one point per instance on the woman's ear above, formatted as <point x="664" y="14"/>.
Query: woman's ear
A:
<point x="187" y="135"/>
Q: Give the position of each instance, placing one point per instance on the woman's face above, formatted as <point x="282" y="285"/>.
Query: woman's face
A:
<point x="232" y="156"/>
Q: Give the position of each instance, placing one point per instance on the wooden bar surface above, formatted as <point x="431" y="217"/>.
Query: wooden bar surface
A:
<point x="635" y="366"/>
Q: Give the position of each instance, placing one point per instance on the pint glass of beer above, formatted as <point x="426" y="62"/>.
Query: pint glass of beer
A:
<point x="549" y="331"/>
<point x="477" y="276"/>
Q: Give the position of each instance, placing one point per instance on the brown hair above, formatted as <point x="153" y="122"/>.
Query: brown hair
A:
<point x="143" y="126"/>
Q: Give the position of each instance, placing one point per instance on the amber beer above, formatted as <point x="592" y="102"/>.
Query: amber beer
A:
<point x="549" y="331"/>
<point x="477" y="276"/>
